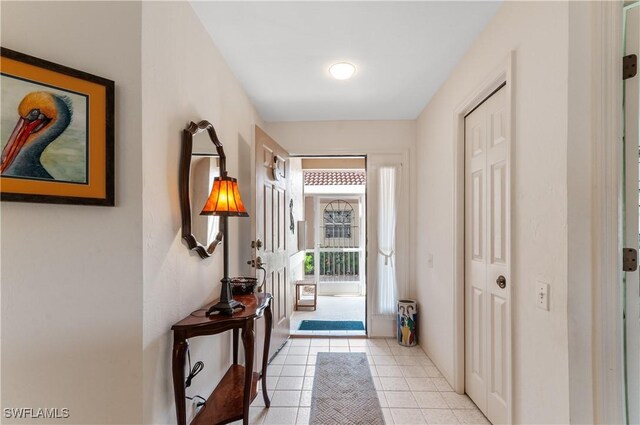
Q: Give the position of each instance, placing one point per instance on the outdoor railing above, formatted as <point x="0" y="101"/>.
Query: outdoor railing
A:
<point x="335" y="265"/>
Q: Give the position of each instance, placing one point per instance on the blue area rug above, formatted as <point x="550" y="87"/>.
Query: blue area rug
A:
<point x="331" y="325"/>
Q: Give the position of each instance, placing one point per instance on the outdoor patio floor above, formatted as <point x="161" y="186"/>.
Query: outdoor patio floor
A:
<point x="331" y="308"/>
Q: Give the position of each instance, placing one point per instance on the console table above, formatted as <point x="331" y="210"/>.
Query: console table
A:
<point x="231" y="398"/>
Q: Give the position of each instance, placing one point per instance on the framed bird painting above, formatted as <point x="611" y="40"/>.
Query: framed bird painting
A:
<point x="56" y="133"/>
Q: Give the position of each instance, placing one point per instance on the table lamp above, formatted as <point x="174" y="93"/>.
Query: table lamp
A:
<point x="224" y="201"/>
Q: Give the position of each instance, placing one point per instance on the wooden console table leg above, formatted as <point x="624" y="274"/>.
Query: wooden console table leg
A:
<point x="235" y="345"/>
<point x="179" y="353"/>
<point x="268" y="319"/>
<point x="248" y="341"/>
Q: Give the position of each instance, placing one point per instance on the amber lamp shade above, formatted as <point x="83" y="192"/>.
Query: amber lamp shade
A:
<point x="225" y="202"/>
<point x="224" y="199"/>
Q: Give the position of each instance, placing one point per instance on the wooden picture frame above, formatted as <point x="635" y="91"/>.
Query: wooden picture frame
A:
<point x="57" y="133"/>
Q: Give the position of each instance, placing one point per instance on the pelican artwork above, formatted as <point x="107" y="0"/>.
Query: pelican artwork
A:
<point x="43" y="116"/>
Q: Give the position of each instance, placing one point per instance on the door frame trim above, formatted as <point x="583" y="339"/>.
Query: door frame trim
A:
<point x="367" y="324"/>
<point x="607" y="219"/>
<point x="501" y="75"/>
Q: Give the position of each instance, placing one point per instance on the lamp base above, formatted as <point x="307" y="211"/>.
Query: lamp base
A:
<point x="225" y="307"/>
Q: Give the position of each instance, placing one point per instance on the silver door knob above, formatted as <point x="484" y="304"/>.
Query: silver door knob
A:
<point x="501" y="282"/>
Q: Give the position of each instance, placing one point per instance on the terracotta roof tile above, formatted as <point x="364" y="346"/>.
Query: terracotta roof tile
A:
<point x="335" y="178"/>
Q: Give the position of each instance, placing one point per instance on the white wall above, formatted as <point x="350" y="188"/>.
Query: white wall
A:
<point x="72" y="275"/>
<point x="347" y="137"/>
<point x="185" y="78"/>
<point x="581" y="221"/>
<point x="538" y="34"/>
<point x="377" y="140"/>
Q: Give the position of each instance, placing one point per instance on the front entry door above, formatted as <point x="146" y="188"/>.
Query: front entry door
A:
<point x="487" y="207"/>
<point x="270" y="230"/>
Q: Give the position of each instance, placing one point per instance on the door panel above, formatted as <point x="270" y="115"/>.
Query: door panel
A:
<point x="268" y="218"/>
<point x="281" y="241"/>
<point x="487" y="257"/>
<point x="498" y="316"/>
<point x="272" y="195"/>
<point x="477" y="228"/>
<point x="631" y="284"/>
<point x="497" y="265"/>
<point x="498" y="187"/>
<point x="477" y="344"/>
<point x="475" y="266"/>
<point x="282" y="295"/>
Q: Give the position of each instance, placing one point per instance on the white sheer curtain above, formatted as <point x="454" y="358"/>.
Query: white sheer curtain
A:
<point x="387" y="213"/>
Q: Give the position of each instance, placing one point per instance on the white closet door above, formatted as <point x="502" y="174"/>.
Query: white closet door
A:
<point x="476" y="257"/>
<point x="487" y="345"/>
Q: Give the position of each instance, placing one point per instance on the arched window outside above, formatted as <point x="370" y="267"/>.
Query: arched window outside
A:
<point x="338" y="220"/>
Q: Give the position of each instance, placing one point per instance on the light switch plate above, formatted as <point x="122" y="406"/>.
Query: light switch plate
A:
<point x="542" y="295"/>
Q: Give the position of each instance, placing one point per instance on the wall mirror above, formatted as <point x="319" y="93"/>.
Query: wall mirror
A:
<point x="199" y="165"/>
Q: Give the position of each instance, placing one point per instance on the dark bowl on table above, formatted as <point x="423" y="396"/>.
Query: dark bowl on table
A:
<point x="243" y="285"/>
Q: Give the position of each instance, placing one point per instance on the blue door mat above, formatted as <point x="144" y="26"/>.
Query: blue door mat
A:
<point x="331" y="325"/>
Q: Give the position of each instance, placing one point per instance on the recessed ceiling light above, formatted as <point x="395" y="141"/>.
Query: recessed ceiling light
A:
<point x="342" y="70"/>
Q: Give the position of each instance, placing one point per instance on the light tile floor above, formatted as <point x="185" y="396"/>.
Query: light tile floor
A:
<point x="410" y="388"/>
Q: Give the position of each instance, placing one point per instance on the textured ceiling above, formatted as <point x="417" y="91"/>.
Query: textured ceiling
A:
<point x="403" y="51"/>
